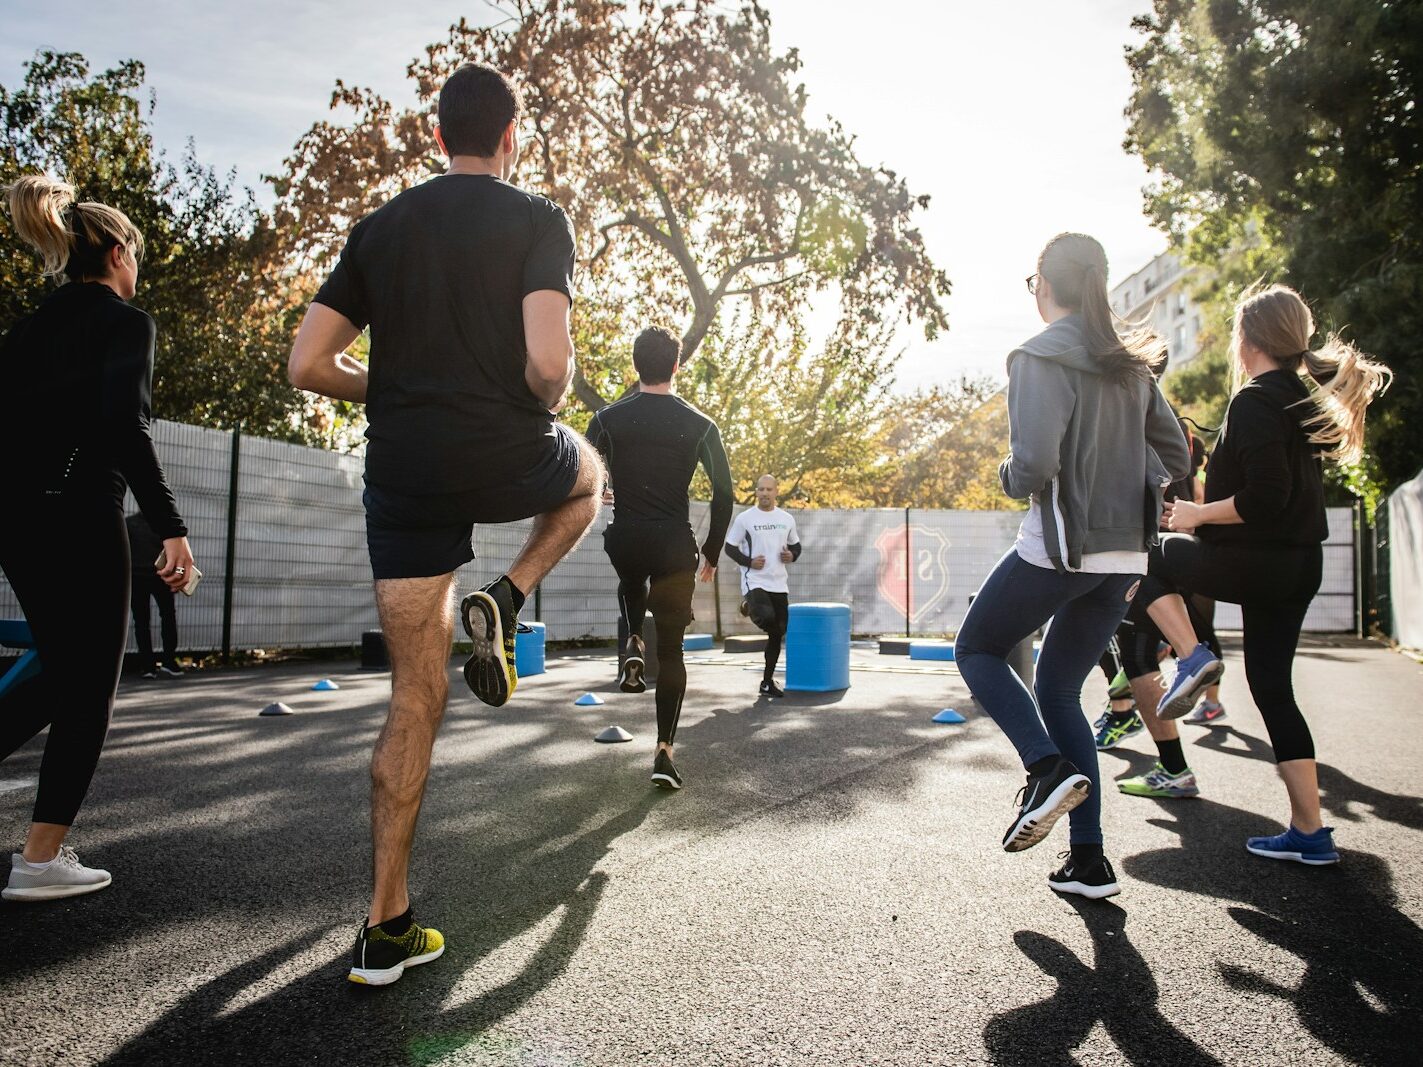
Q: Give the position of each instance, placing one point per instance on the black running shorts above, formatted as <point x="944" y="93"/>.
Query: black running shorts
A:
<point x="422" y="536"/>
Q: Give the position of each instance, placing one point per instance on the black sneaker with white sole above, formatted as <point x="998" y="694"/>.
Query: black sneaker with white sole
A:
<point x="1094" y="880"/>
<point x="664" y="774"/>
<point x="491" y="622"/>
<point x="771" y="689"/>
<point x="1043" y="800"/>
<point x="632" y="675"/>
<point x="381" y="958"/>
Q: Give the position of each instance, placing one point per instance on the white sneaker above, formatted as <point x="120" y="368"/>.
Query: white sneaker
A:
<point x="64" y="877"/>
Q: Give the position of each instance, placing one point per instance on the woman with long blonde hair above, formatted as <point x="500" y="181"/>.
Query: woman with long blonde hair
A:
<point x="74" y="411"/>
<point x="1256" y="541"/>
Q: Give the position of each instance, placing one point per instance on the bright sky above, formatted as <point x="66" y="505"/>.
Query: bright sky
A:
<point x="1008" y="115"/>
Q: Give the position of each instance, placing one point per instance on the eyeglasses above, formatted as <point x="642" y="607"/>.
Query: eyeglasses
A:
<point x="1032" y="280"/>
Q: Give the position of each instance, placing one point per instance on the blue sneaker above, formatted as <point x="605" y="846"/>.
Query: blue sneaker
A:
<point x="1316" y="849"/>
<point x="1197" y="672"/>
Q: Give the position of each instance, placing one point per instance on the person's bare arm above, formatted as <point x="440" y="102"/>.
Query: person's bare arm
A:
<point x="319" y="363"/>
<point x="549" y="342"/>
<point x="1184" y="516"/>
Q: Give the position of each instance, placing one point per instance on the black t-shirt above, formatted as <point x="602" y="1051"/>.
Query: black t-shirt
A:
<point x="653" y="443"/>
<point x="439" y="274"/>
<point x="1265" y="461"/>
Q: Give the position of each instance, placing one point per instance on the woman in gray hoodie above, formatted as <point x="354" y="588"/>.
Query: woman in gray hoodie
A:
<point x="1093" y="444"/>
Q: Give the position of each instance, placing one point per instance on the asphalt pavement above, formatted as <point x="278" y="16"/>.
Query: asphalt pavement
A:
<point x="828" y="889"/>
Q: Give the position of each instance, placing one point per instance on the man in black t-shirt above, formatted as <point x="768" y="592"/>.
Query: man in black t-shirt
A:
<point x="653" y="441"/>
<point x="465" y="282"/>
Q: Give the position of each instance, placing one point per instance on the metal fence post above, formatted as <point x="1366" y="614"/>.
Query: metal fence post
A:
<point x="229" y="578"/>
<point x="908" y="576"/>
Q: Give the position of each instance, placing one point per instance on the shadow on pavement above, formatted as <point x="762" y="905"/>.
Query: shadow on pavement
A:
<point x="1362" y="989"/>
<point x="1115" y="988"/>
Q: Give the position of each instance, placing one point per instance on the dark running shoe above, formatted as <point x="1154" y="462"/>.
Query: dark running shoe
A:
<point x="631" y="678"/>
<point x="172" y="670"/>
<point x="1043" y="800"/>
<point x="381" y="958"/>
<point x="664" y="774"/>
<point x="1095" y="880"/>
<point x="771" y="689"/>
<point x="1115" y="727"/>
<point x="491" y="622"/>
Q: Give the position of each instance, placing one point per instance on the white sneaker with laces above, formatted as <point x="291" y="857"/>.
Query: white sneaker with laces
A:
<point x="65" y="876"/>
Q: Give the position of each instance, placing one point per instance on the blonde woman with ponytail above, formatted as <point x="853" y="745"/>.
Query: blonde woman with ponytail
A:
<point x="74" y="412"/>
<point x="1258" y="535"/>
<point x="1093" y="443"/>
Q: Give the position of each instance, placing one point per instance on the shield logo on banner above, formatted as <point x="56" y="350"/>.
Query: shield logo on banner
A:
<point x="916" y="586"/>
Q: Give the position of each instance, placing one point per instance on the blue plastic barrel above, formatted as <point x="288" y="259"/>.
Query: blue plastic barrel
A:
<point x="529" y="650"/>
<point x="818" y="648"/>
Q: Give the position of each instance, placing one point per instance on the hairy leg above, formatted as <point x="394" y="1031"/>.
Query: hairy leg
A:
<point x="417" y="618"/>
<point x="557" y="533"/>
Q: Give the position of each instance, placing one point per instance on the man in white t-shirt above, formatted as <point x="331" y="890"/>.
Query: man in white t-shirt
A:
<point x="763" y="541"/>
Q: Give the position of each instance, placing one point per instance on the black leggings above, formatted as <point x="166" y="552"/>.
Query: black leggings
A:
<point x="663" y="554"/>
<point x="1273" y="586"/>
<point x="1141" y="641"/>
<point x="772" y="613"/>
<point x="146" y="587"/>
<point x="68" y="563"/>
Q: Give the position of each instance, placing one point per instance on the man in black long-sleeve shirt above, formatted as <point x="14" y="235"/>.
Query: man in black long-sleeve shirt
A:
<point x="653" y="442"/>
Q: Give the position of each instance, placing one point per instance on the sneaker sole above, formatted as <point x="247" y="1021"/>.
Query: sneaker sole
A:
<point x="1082" y="889"/>
<point x="1033" y="826"/>
<point x="1185" y="700"/>
<point x="390" y="975"/>
<point x="1182" y="795"/>
<point x="631" y="680"/>
<point x="1204" y="722"/>
<point x="54" y="892"/>
<point x="665" y="781"/>
<point x="1297" y="857"/>
<point x="488" y="671"/>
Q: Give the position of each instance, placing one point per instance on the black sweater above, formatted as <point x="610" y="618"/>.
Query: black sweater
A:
<point x="1264" y="460"/>
<point x="76" y="382"/>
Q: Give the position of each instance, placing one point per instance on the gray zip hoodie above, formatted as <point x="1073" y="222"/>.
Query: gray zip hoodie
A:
<point x="1093" y="453"/>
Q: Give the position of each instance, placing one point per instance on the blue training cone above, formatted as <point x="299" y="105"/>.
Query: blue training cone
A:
<point x="325" y="686"/>
<point x="949" y="715"/>
<point x="588" y="700"/>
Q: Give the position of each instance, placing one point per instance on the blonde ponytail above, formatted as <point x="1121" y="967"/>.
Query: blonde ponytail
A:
<point x="37" y="206"/>
<point x="75" y="249"/>
<point x="1276" y="320"/>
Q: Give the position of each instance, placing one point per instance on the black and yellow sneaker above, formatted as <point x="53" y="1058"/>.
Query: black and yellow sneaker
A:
<point x="491" y="622"/>
<point x="381" y="958"/>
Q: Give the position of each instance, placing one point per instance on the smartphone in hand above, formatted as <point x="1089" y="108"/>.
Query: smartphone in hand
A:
<point x="194" y="575"/>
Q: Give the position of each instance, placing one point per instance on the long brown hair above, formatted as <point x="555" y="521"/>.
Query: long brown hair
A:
<point x="1075" y="265"/>
<point x="1276" y="320"/>
<point x="75" y="247"/>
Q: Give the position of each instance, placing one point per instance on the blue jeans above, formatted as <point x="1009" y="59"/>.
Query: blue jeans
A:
<point x="1085" y="610"/>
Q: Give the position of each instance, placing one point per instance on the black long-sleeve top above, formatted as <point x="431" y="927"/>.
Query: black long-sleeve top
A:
<point x="652" y="443"/>
<point x="76" y="379"/>
<point x="1265" y="461"/>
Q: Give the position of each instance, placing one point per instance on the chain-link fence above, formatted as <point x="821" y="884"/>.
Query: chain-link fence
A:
<point x="282" y="548"/>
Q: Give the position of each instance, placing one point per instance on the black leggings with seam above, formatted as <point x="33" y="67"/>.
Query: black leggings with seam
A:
<point x="1273" y="584"/>
<point x="68" y="562"/>
<point x="657" y="571"/>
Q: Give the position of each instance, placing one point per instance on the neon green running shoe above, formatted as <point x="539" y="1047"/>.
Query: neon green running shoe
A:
<point x="1159" y="782"/>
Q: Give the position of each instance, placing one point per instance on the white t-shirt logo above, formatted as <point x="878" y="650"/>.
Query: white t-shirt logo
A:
<point x="763" y="533"/>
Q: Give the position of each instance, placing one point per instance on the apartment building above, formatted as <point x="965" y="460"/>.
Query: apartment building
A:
<point x="1160" y="293"/>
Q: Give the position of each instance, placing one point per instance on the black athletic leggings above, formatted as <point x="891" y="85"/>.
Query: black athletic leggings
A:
<point x="1273" y="584"/>
<point x="772" y="613"/>
<point x="68" y="562"/>
<point x="146" y="587"/>
<point x="664" y="555"/>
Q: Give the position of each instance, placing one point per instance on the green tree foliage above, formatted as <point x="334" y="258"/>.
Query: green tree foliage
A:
<point x="702" y="195"/>
<point x="206" y="277"/>
<point x="1287" y="143"/>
